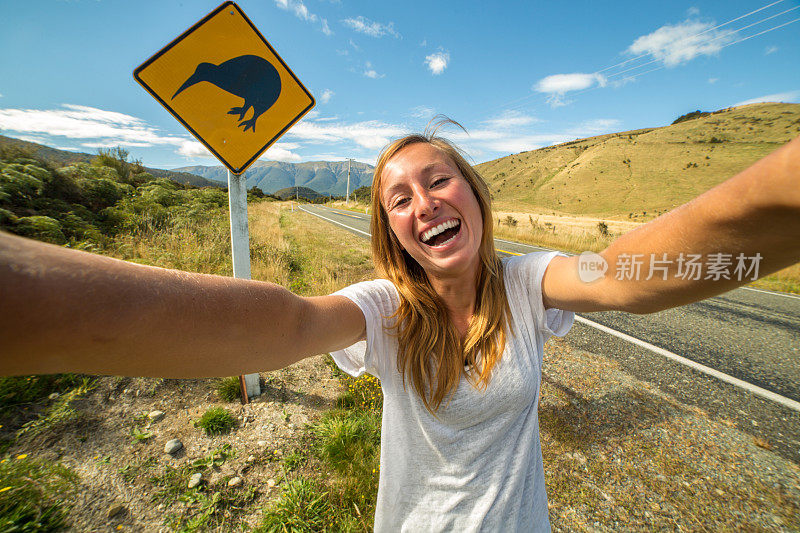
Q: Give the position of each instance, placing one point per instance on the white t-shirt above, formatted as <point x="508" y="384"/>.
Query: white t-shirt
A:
<point x="478" y="466"/>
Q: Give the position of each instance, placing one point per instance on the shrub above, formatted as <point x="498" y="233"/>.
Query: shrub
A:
<point x="511" y="221"/>
<point x="303" y="506"/>
<point x="42" y="228"/>
<point x="602" y="227"/>
<point x="229" y="389"/>
<point x="217" y="421"/>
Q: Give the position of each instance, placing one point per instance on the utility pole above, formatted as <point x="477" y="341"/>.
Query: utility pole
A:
<point x="347" y="198"/>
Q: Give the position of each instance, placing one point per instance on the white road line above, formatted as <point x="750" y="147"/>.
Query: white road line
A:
<point x="764" y="393"/>
<point x="774" y="293"/>
<point x="334" y="222"/>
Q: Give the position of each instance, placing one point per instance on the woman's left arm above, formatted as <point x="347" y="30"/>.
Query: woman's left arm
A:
<point x="745" y="227"/>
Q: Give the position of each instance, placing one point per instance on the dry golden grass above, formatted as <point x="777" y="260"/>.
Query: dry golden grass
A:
<point x="638" y="175"/>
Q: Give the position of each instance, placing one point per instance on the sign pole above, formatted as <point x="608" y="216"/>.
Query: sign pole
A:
<point x="240" y="247"/>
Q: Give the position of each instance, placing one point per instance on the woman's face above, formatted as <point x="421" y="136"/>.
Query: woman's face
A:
<point x="432" y="210"/>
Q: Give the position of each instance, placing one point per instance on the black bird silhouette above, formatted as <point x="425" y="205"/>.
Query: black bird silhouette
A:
<point x="250" y="77"/>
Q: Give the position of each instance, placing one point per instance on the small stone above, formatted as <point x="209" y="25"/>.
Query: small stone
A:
<point x="172" y="446"/>
<point x="155" y="416"/>
<point x="53" y="396"/>
<point x="251" y="458"/>
<point x="195" y="480"/>
<point x="235" y="481"/>
<point x="719" y="492"/>
<point x="578" y="456"/>
<point x="661" y="477"/>
<point x="116" y="510"/>
<point x="270" y="482"/>
<point x="262" y="443"/>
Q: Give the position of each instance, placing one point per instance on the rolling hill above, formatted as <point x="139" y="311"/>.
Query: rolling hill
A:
<point x="324" y="177"/>
<point x="59" y="158"/>
<point x="641" y="173"/>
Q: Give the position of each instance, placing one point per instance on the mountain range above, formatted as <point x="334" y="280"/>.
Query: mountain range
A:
<point x="324" y="177"/>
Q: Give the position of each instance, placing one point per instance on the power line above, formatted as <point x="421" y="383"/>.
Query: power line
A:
<point x="510" y="105"/>
<point x="697" y="34"/>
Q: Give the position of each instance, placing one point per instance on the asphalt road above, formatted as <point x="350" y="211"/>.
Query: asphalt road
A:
<point x="752" y="335"/>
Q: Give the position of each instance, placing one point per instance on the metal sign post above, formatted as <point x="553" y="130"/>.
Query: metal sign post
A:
<point x="240" y="248"/>
<point x="229" y="87"/>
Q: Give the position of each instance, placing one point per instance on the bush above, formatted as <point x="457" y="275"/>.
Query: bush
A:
<point x="602" y="227"/>
<point x="41" y="228"/>
<point x="303" y="506"/>
<point x="229" y="389"/>
<point x="217" y="421"/>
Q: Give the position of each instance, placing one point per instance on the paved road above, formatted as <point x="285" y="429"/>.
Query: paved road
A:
<point x="752" y="335"/>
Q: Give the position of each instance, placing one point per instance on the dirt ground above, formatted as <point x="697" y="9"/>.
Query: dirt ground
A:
<point x="619" y="454"/>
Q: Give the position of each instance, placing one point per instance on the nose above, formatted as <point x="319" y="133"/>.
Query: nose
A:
<point x="426" y="205"/>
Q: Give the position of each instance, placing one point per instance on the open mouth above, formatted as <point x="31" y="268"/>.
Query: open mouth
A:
<point x="442" y="233"/>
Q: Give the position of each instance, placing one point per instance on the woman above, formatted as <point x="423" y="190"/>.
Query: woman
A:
<point x="454" y="334"/>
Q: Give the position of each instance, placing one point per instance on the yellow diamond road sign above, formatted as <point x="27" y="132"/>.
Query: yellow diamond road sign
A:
<point x="225" y="83"/>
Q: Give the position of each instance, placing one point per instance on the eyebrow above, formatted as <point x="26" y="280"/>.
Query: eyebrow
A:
<point x="427" y="169"/>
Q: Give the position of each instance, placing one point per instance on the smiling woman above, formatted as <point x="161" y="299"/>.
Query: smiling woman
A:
<point x="460" y="447"/>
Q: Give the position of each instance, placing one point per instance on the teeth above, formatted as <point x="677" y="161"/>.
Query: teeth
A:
<point x="428" y="235"/>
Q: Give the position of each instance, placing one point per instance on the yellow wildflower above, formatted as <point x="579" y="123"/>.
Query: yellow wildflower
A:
<point x="5" y="489"/>
<point x="22" y="456"/>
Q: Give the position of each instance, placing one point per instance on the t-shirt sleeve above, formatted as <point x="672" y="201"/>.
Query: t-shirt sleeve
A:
<point x="529" y="271"/>
<point x="378" y="300"/>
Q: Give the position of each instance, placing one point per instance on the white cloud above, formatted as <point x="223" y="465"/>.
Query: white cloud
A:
<point x="326" y="96"/>
<point x="713" y="80"/>
<point x="692" y="11"/>
<point x="437" y="62"/>
<point x="597" y="126"/>
<point x="770" y="50"/>
<point x="301" y="11"/>
<point x="370" y="72"/>
<point x="371" y="28"/>
<point x="510" y="119"/>
<point x="679" y="43"/>
<point x="422" y="111"/>
<point x="194" y="149"/>
<point x="371" y="134"/>
<point x="787" y="97"/>
<point x="106" y="128"/>
<point x="557" y="85"/>
<point x="282" y="152"/>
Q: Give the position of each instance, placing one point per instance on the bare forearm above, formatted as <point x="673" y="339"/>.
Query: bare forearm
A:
<point x="68" y="311"/>
<point x="756" y="214"/>
<point x="750" y="220"/>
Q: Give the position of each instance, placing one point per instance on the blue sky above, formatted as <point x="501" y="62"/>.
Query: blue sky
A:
<point x="517" y="75"/>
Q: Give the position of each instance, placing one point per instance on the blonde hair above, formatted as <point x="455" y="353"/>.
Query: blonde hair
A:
<point x="432" y="355"/>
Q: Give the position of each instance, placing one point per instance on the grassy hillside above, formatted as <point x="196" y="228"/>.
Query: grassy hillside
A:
<point x="640" y="174"/>
<point x="59" y="158"/>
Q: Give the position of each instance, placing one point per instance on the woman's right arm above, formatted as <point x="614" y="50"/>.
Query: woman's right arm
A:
<point x="67" y="311"/>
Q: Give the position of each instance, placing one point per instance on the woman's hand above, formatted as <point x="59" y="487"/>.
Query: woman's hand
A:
<point x="69" y="311"/>
<point x="756" y="214"/>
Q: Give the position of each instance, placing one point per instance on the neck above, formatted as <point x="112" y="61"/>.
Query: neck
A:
<point x="458" y="295"/>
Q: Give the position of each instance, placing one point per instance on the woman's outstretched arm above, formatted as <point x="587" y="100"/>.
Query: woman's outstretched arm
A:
<point x="755" y="213"/>
<point x="67" y="311"/>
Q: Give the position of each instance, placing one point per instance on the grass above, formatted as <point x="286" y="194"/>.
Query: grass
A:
<point x="34" y="494"/>
<point x="651" y="170"/>
<point x="217" y="421"/>
<point x="229" y="389"/>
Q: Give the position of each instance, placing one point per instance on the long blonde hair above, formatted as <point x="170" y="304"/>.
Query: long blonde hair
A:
<point x="432" y="355"/>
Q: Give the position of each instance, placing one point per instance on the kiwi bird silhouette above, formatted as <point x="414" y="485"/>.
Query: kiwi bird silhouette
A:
<point x="252" y="78"/>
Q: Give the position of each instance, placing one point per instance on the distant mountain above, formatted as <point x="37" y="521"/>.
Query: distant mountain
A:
<point x="59" y="158"/>
<point x="324" y="177"/>
<point x="290" y="193"/>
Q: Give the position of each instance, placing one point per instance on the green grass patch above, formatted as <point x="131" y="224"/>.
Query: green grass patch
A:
<point x="229" y="389"/>
<point x="33" y="494"/>
<point x="217" y="421"/>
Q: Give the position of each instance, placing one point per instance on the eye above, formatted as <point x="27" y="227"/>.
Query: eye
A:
<point x="400" y="202"/>
<point x="439" y="181"/>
